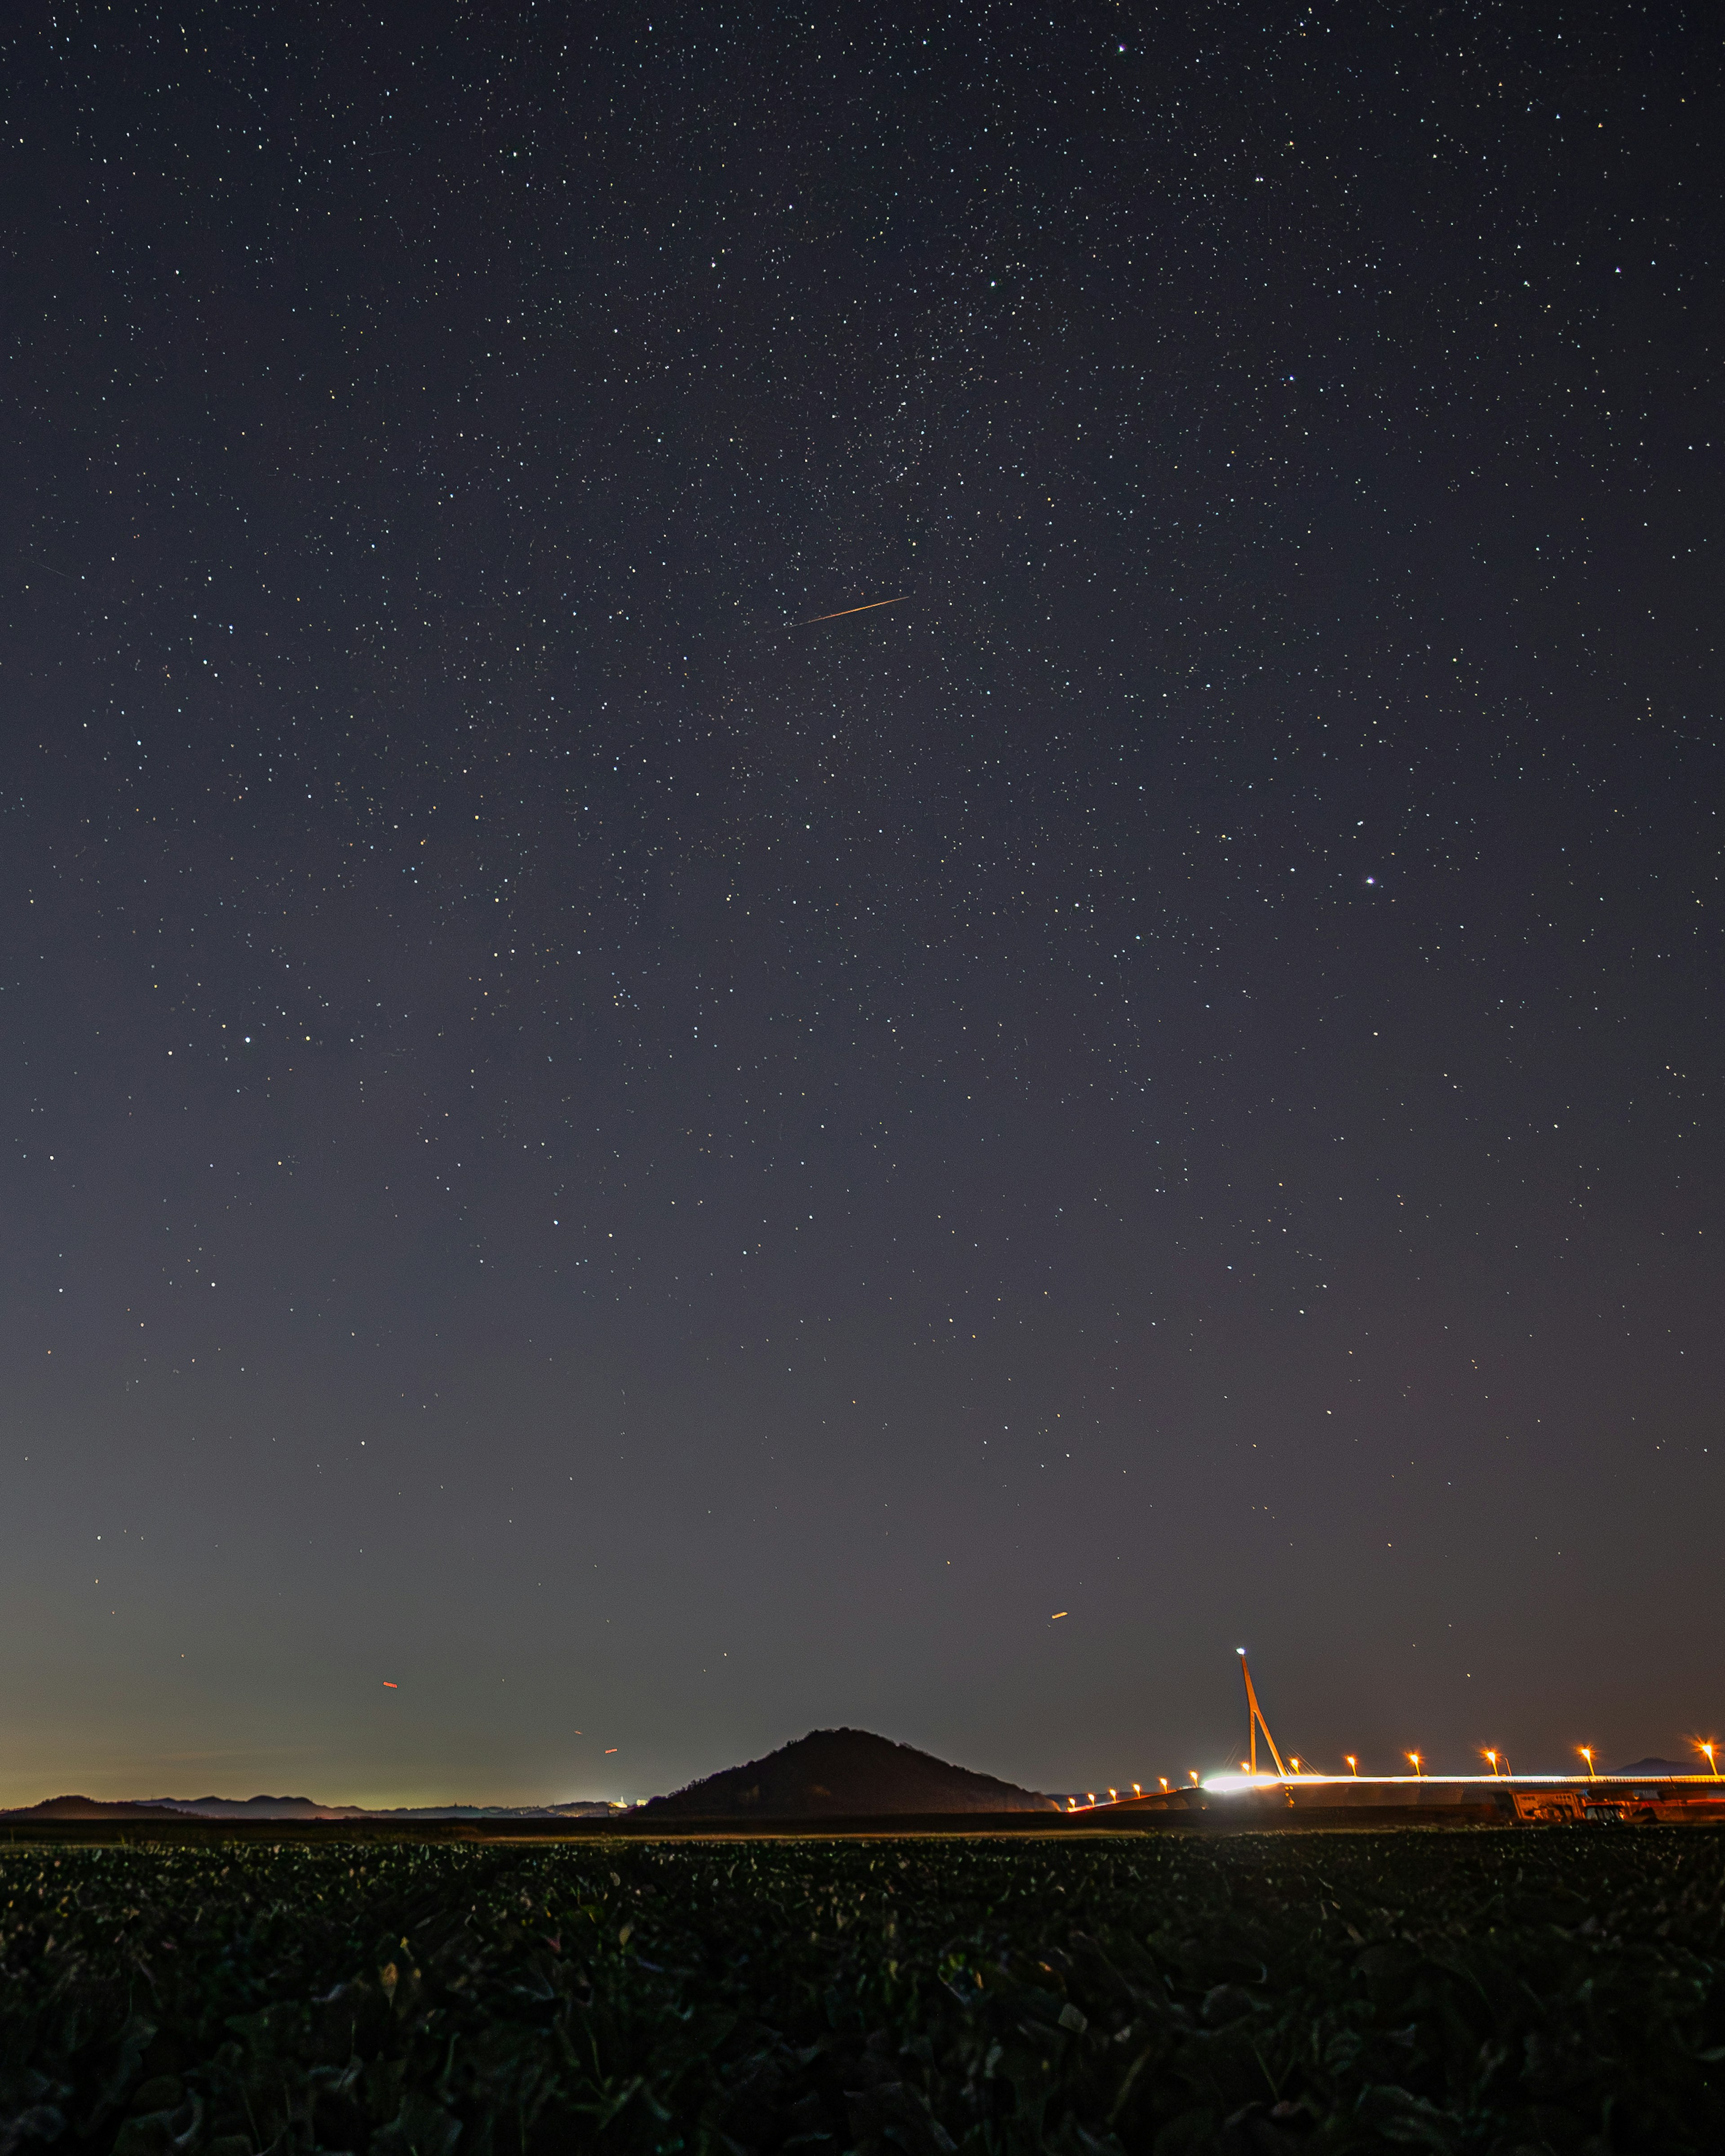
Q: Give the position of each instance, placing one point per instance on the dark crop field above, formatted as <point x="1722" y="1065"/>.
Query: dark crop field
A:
<point x="1503" y="1991"/>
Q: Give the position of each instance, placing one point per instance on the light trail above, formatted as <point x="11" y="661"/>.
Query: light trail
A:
<point x="843" y="611"/>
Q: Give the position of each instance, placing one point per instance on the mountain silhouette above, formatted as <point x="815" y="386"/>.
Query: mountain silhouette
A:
<point x="246" y="1807"/>
<point x="88" y="1808"/>
<point x="843" y="1772"/>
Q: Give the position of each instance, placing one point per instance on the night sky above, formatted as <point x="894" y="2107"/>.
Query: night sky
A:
<point x="657" y="1172"/>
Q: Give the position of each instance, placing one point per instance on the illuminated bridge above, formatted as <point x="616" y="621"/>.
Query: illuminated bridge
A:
<point x="1289" y="1794"/>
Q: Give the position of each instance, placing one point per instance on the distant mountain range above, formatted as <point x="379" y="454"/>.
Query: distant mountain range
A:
<point x="293" y="1808"/>
<point x="830" y="1773"/>
<point x="88" y="1807"/>
<point x="844" y="1773"/>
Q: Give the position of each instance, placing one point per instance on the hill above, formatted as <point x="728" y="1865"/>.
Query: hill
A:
<point x="307" y="1807"/>
<point x="843" y="1773"/>
<point x="294" y="1808"/>
<point x="88" y="1807"/>
<point x="247" y="1807"/>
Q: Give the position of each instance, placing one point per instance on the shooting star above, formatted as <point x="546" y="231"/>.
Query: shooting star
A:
<point x="843" y="611"/>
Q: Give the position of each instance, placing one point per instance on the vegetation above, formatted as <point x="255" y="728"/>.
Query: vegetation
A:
<point x="1508" y="1991"/>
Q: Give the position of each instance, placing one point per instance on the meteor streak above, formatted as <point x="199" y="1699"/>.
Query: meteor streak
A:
<point x="843" y="611"/>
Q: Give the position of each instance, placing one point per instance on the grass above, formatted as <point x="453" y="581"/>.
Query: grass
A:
<point x="1506" y="1991"/>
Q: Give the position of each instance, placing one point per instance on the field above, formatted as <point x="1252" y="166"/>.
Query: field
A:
<point x="1502" y="1991"/>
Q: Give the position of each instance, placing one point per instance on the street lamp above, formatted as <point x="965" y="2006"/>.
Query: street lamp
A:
<point x="1587" y="1754"/>
<point x="1493" y="1757"/>
<point x="1414" y="1757"/>
<point x="1712" y="1763"/>
<point x="1193" y="1772"/>
<point x="1352" y="1763"/>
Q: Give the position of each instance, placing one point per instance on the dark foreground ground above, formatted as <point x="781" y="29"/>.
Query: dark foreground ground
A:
<point x="1186" y="1812"/>
<point x="1494" y="1990"/>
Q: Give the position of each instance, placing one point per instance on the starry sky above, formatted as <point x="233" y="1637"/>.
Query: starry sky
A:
<point x="654" y="1172"/>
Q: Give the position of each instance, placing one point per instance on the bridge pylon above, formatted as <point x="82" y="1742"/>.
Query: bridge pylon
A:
<point x="1255" y="1721"/>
